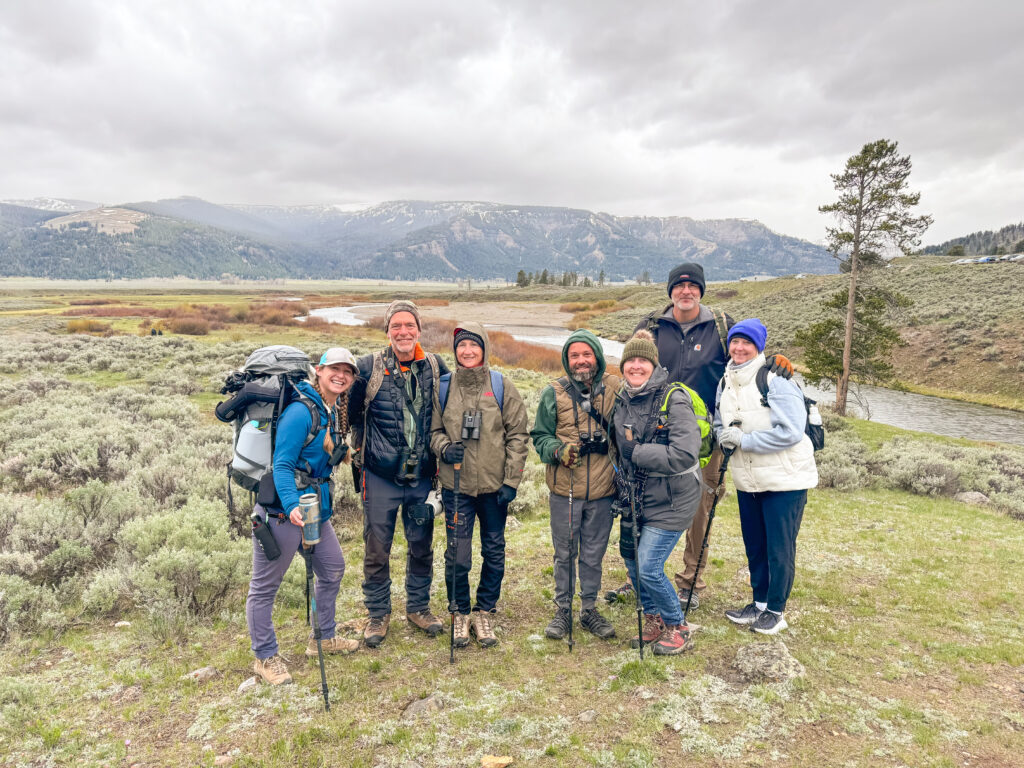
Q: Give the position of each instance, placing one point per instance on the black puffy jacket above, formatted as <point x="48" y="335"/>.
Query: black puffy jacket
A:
<point x="385" y="418"/>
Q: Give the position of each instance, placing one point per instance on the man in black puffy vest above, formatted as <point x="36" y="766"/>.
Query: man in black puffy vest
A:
<point x="400" y="392"/>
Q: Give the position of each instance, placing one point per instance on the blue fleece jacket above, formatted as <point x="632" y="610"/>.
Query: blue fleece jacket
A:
<point x="788" y="417"/>
<point x="292" y="428"/>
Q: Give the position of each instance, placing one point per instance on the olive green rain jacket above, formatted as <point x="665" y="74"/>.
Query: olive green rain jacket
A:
<point x="498" y="457"/>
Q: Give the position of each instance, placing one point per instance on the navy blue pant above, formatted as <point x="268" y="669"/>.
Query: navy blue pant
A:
<point x="770" y="521"/>
<point x="492" y="518"/>
<point x="381" y="500"/>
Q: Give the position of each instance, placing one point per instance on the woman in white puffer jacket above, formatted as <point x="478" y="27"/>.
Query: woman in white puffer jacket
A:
<point x="772" y="467"/>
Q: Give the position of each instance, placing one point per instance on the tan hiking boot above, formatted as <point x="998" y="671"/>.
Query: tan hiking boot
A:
<point x="481" y="621"/>
<point x="461" y="630"/>
<point x="376" y="630"/>
<point x="426" y="621"/>
<point x="273" y="670"/>
<point x="332" y="645"/>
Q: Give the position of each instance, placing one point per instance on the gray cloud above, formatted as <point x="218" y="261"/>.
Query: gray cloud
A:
<point x="740" y="109"/>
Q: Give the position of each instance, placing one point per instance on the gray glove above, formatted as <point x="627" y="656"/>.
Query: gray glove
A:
<point x="730" y="438"/>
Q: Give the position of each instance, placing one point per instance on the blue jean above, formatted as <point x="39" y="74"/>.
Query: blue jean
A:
<point x="492" y="517"/>
<point x="770" y="522"/>
<point x="656" y="593"/>
<point x="328" y="565"/>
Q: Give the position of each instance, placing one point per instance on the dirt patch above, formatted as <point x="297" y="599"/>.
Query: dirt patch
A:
<point x="109" y="221"/>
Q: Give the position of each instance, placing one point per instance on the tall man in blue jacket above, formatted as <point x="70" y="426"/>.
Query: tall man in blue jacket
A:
<point x="692" y="345"/>
<point x="398" y="389"/>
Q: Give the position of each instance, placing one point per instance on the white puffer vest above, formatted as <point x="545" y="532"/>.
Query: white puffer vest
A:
<point x="791" y="469"/>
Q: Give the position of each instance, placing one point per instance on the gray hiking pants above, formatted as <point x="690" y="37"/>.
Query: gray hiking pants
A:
<point x="591" y="526"/>
<point x="328" y="565"/>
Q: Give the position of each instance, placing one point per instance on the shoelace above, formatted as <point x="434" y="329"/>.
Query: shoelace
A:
<point x="485" y="623"/>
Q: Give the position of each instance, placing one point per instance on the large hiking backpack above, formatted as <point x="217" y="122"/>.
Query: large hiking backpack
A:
<point x="700" y="410"/>
<point x="812" y="426"/>
<point x="262" y="389"/>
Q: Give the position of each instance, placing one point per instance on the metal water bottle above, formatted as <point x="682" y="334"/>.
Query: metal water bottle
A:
<point x="309" y="506"/>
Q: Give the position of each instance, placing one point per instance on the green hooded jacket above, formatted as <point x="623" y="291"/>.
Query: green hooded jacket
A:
<point x="497" y="458"/>
<point x="558" y="422"/>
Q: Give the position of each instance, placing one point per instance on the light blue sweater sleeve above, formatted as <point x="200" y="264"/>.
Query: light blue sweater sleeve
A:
<point x="788" y="418"/>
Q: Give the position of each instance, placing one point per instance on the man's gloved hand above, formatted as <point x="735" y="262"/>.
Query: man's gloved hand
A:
<point x="780" y="365"/>
<point x="454" y="453"/>
<point x="568" y="455"/>
<point x="626" y="449"/>
<point x="505" y="495"/>
<point x="730" y="438"/>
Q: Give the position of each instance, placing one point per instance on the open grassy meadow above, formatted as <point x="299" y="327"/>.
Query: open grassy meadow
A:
<point x="122" y="572"/>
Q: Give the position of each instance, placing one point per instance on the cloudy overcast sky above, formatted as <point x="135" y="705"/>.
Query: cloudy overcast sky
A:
<point x="702" y="109"/>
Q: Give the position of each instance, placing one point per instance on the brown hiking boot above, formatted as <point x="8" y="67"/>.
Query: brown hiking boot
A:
<point x="426" y="621"/>
<point x="482" y="629"/>
<point x="376" y="630"/>
<point x="461" y="630"/>
<point x="332" y="645"/>
<point x="653" y="629"/>
<point x="273" y="670"/>
<point x="675" y="639"/>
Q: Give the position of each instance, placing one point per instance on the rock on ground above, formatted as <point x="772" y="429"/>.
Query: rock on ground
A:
<point x="767" y="662"/>
<point x="588" y="716"/>
<point x="252" y="682"/>
<point x="201" y="675"/>
<point x="972" y="497"/>
<point x="494" y="761"/>
<point x="423" y="707"/>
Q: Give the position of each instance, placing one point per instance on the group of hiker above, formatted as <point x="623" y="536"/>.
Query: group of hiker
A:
<point x="648" y="446"/>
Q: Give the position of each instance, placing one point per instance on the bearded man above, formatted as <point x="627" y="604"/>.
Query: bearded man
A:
<point x="570" y="434"/>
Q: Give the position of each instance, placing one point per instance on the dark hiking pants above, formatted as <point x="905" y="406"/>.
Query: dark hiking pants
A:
<point x="591" y="526"/>
<point x="770" y="521"/>
<point x="492" y="518"/>
<point x="381" y="501"/>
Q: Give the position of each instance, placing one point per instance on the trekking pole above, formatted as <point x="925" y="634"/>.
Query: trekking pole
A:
<point x="727" y="453"/>
<point x="572" y="563"/>
<point x="307" y="555"/>
<point x="636" y="552"/>
<point x="452" y="549"/>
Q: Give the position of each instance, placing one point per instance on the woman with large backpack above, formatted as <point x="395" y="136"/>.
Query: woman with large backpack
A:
<point x="309" y="443"/>
<point x="480" y="436"/>
<point x="772" y="468"/>
<point x="658" y="443"/>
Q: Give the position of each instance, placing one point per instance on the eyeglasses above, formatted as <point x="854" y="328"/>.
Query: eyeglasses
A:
<point x="689" y="287"/>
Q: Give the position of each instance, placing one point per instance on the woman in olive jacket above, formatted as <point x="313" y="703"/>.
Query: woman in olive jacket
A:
<point x="491" y="453"/>
<point x="659" y="456"/>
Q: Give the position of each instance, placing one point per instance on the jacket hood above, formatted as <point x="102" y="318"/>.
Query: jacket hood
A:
<point x="477" y="329"/>
<point x="595" y="344"/>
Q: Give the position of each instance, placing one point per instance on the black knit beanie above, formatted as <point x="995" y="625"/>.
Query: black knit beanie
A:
<point x="686" y="273"/>
<point x="462" y="333"/>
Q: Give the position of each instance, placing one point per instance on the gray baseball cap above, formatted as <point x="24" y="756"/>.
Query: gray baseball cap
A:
<point x="337" y="355"/>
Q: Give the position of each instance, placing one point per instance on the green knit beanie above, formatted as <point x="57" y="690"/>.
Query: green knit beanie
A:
<point x="641" y="345"/>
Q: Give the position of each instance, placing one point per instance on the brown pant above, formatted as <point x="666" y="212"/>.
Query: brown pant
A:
<point x="695" y="535"/>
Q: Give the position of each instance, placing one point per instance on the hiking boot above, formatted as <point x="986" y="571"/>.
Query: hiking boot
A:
<point x="684" y="594"/>
<point x="482" y="629"/>
<point x="596" y="624"/>
<point x="674" y="640"/>
<point x="746" y="615"/>
<point x="461" y="633"/>
<point x="426" y="621"/>
<point x="332" y="645"/>
<point x="613" y="595"/>
<point x="559" y="626"/>
<point x="376" y="630"/>
<point x="273" y="670"/>
<point x="653" y="628"/>
<point x="769" y="623"/>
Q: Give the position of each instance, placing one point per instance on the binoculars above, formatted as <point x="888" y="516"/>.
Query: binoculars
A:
<point x="408" y="466"/>
<point x="471" y="421"/>
<point x="593" y="442"/>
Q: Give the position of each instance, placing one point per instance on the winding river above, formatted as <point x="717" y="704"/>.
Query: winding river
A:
<point x="906" y="410"/>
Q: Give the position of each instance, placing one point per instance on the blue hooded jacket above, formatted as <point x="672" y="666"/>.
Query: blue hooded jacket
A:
<point x="293" y="426"/>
